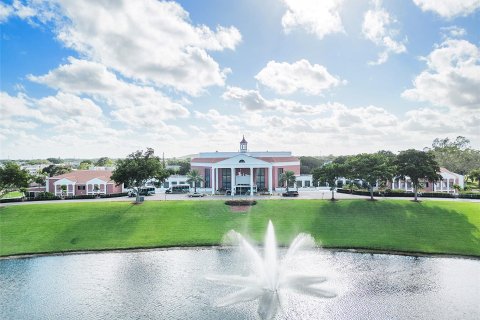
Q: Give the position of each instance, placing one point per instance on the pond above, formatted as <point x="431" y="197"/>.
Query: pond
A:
<point x="172" y="284"/>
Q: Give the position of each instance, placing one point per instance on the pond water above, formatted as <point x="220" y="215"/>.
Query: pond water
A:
<point x="171" y="284"/>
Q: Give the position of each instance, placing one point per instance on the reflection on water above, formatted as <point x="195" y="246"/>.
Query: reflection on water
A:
<point x="171" y="284"/>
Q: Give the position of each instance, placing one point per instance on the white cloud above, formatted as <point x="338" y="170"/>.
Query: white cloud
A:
<point x="65" y="107"/>
<point x="93" y="79"/>
<point x="252" y="100"/>
<point x="453" y="32"/>
<point x="449" y="8"/>
<point x="286" y="78"/>
<point x="452" y="78"/>
<point x="376" y="28"/>
<point x="150" y="41"/>
<point x="316" y="17"/>
<point x="5" y="12"/>
<point x="16" y="9"/>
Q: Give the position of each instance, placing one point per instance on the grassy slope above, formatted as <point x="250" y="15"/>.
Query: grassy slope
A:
<point x="13" y="194"/>
<point x="429" y="226"/>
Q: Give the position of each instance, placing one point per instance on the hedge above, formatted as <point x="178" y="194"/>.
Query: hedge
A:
<point x="53" y="197"/>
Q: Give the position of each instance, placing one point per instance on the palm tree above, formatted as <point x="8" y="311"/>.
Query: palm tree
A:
<point x="287" y="177"/>
<point x="194" y="177"/>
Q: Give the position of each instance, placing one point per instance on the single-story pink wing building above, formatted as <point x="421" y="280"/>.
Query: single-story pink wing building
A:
<point x="244" y="172"/>
<point x="83" y="182"/>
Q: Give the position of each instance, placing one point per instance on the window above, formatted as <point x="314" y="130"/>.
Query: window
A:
<point x="279" y="175"/>
<point x="207" y="178"/>
<point x="226" y="179"/>
<point x="260" y="179"/>
<point x="241" y="161"/>
<point x="166" y="184"/>
<point x="80" y="187"/>
<point x="307" y="183"/>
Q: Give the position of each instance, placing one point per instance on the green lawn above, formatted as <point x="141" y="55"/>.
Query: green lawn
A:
<point x="13" y="194"/>
<point x="427" y="227"/>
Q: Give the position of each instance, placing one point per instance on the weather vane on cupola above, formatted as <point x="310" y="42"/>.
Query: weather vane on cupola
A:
<point x="243" y="145"/>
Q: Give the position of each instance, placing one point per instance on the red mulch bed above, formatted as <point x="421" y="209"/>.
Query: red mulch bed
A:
<point x="240" y="208"/>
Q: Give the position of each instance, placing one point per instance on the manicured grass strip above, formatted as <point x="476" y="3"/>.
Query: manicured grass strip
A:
<point x="13" y="194"/>
<point x="428" y="227"/>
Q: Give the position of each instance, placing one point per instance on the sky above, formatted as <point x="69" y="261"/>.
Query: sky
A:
<point x="90" y="78"/>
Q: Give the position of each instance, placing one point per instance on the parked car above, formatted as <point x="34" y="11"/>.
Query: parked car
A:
<point x="291" y="193"/>
<point x="196" y="195"/>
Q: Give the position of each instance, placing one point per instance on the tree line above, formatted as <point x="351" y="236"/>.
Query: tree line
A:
<point x="381" y="167"/>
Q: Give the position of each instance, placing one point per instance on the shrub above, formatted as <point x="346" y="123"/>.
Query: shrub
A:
<point x="46" y="196"/>
<point x="469" y="195"/>
<point x="240" y="202"/>
<point x="436" y="195"/>
<point x="114" y="195"/>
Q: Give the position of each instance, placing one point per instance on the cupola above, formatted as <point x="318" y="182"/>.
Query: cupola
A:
<point x="243" y="145"/>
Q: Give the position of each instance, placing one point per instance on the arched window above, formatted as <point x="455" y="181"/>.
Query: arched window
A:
<point x="241" y="161"/>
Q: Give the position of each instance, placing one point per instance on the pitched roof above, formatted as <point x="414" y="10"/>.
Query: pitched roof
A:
<point x="82" y="176"/>
<point x="243" y="140"/>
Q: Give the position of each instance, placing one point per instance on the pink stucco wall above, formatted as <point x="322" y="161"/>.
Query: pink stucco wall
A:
<point x="295" y="169"/>
<point x="111" y="188"/>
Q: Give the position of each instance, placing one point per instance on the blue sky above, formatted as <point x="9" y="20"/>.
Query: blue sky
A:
<point x="89" y="79"/>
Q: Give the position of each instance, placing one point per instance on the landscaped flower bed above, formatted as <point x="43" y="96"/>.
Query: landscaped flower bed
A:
<point x="240" y="202"/>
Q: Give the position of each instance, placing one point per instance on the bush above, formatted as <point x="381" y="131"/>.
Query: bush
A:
<point x="10" y="200"/>
<point x="396" y="191"/>
<point x="240" y="202"/>
<point x="436" y="195"/>
<point x="46" y="196"/>
<point x="114" y="195"/>
<point x="469" y="195"/>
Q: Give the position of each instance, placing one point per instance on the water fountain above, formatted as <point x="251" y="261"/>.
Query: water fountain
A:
<point x="269" y="276"/>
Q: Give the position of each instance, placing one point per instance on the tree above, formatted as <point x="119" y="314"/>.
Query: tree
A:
<point x="85" y="165"/>
<point x="419" y="166"/>
<point x="372" y="168"/>
<point x="456" y="156"/>
<point x="56" y="170"/>
<point x="475" y="175"/>
<point x="184" y="165"/>
<point x="194" y="177"/>
<point x="287" y="177"/>
<point x="137" y="169"/>
<point x="104" y="162"/>
<point x="307" y="164"/>
<point x="12" y="178"/>
<point x="55" y="160"/>
<point x="38" y="178"/>
<point x="330" y="172"/>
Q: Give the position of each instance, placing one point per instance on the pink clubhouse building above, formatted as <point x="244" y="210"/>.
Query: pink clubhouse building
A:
<point x="244" y="172"/>
<point x="83" y="182"/>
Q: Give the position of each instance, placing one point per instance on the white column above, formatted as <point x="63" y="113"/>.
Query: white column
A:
<point x="212" y="183"/>
<point x="232" y="179"/>
<point x="406" y="184"/>
<point x="448" y="185"/>
<point x="251" y="181"/>
<point x="270" y="179"/>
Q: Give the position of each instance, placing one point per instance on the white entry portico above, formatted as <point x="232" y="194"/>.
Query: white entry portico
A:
<point x="64" y="187"/>
<point x="238" y="179"/>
